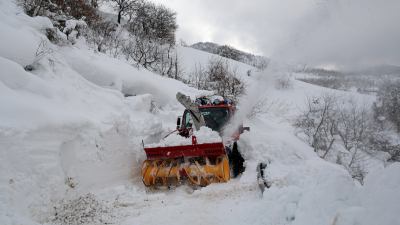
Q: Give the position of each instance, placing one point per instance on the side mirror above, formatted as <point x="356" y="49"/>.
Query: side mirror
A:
<point x="242" y="129"/>
<point x="178" y="123"/>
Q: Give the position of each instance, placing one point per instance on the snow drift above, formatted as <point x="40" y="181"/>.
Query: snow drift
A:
<point x="75" y="123"/>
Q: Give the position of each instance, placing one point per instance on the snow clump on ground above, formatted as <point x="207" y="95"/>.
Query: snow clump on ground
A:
<point x="204" y="135"/>
<point x="83" y="210"/>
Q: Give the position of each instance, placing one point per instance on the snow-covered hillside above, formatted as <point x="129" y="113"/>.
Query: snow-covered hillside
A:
<point x="68" y="119"/>
<point x="192" y="59"/>
<point x="71" y="134"/>
<point x="232" y="53"/>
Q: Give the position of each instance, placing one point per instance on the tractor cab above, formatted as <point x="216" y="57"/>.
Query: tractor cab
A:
<point x="216" y="111"/>
<point x="215" y="117"/>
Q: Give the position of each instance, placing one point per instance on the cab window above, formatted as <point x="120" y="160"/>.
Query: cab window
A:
<point x="188" y="120"/>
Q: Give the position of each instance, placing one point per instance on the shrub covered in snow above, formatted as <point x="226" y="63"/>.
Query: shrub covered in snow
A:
<point x="387" y="107"/>
<point x="74" y="29"/>
<point x="319" y="123"/>
<point x="388" y="142"/>
<point x="220" y="77"/>
<point x="61" y="10"/>
<point x="284" y="82"/>
<point x="147" y="39"/>
<point x="330" y="120"/>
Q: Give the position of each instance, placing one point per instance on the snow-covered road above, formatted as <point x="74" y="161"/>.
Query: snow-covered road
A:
<point x="70" y="146"/>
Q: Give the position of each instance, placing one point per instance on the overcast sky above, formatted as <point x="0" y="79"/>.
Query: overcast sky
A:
<point x="337" y="32"/>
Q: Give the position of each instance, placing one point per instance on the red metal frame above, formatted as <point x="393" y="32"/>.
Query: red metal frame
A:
<point x="193" y="150"/>
<point x="231" y="107"/>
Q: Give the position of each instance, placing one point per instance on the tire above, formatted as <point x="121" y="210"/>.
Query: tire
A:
<point x="236" y="160"/>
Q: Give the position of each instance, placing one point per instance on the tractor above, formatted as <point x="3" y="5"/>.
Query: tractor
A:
<point x="199" y="163"/>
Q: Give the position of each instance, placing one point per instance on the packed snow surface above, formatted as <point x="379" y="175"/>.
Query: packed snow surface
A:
<point x="204" y="135"/>
<point x="171" y="140"/>
<point x="71" y="133"/>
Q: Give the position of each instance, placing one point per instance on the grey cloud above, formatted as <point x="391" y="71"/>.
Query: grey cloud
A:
<point x="339" y="32"/>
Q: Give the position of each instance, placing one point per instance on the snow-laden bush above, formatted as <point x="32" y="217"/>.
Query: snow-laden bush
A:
<point x="387" y="106"/>
<point x="61" y="10"/>
<point x="35" y="7"/>
<point x="152" y="22"/>
<point x="284" y="82"/>
<point x="265" y="105"/>
<point x="159" y="58"/>
<point x="74" y="29"/>
<point x="102" y="34"/>
<point x="387" y="142"/>
<point x="146" y="40"/>
<point x="124" y="7"/>
<point x="319" y="123"/>
<point x="219" y="77"/>
<point x="42" y="51"/>
<point x="329" y="119"/>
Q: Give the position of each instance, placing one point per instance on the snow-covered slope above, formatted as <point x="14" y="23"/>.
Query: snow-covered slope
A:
<point x="190" y="58"/>
<point x="67" y="123"/>
<point x="66" y="130"/>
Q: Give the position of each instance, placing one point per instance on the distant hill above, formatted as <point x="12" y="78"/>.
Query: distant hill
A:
<point x="375" y="70"/>
<point x="383" y="69"/>
<point x="227" y="51"/>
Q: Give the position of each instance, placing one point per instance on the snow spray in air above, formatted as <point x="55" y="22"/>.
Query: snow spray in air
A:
<point x="256" y="88"/>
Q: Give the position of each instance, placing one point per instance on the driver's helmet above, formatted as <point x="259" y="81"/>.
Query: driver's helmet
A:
<point x="202" y="101"/>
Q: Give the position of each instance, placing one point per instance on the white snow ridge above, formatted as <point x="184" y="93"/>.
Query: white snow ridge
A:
<point x="71" y="133"/>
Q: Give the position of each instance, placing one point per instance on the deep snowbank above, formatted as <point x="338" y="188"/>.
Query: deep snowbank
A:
<point x="113" y="73"/>
<point x="66" y="129"/>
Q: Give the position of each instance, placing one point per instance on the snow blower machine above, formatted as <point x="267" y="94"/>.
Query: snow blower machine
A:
<point x="200" y="157"/>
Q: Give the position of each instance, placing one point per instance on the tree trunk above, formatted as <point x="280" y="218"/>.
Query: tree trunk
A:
<point x="119" y="17"/>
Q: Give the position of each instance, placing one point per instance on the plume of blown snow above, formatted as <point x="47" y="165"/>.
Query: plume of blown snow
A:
<point x="255" y="91"/>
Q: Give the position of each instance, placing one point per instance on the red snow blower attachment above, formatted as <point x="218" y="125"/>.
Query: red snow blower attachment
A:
<point x="200" y="164"/>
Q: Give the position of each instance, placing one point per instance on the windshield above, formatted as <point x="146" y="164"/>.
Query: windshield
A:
<point x="215" y="118"/>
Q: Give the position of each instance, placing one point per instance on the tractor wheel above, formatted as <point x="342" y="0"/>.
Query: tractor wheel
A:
<point x="236" y="160"/>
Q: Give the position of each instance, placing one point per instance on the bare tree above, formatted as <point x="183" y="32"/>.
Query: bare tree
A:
<point x="387" y="107"/>
<point x="319" y="123"/>
<point x="354" y="129"/>
<point x="152" y="22"/>
<point x="327" y="120"/>
<point x="384" y="142"/>
<point x="144" y="52"/>
<point x="123" y="7"/>
<point x="261" y="63"/>
<point x="94" y="3"/>
<point x="354" y="124"/>
<point x="42" y="51"/>
<point x="218" y="76"/>
<point x="284" y="82"/>
<point x="102" y="34"/>
<point x="34" y="7"/>
<point x="264" y="105"/>
<point x="61" y="10"/>
<point x="76" y="9"/>
<point x="198" y="77"/>
<point x="223" y="79"/>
